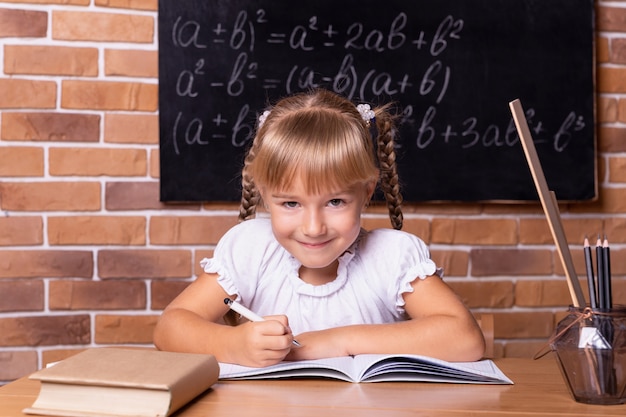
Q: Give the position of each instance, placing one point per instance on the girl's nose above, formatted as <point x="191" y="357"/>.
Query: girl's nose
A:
<point x="313" y="224"/>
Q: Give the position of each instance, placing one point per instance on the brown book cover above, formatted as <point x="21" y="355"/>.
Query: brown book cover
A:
<point x="123" y="382"/>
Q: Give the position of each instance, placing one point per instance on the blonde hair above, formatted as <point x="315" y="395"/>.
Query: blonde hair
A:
<point x="322" y="137"/>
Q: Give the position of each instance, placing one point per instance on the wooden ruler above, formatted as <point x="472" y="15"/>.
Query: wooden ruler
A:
<point x="549" y="203"/>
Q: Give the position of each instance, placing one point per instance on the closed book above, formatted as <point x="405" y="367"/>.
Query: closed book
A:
<point x="123" y="382"/>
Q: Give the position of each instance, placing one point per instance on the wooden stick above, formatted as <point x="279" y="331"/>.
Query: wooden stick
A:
<point x="549" y="203"/>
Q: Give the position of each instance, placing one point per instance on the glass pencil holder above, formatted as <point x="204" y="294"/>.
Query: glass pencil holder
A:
<point x="590" y="348"/>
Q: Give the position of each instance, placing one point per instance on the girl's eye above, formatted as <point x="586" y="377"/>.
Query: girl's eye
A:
<point x="290" y="204"/>
<point x="335" y="202"/>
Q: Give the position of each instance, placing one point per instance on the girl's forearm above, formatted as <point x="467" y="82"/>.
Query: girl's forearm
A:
<point x="184" y="331"/>
<point x="444" y="337"/>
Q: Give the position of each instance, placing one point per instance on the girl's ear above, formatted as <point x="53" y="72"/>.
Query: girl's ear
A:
<point x="262" y="193"/>
<point x="370" y="187"/>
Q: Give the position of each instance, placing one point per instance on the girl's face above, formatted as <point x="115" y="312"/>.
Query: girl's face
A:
<point x="316" y="229"/>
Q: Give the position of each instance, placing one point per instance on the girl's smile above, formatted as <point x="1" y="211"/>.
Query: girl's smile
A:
<point x="315" y="245"/>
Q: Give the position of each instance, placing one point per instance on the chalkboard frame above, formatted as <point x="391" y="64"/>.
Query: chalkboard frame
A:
<point x="487" y="164"/>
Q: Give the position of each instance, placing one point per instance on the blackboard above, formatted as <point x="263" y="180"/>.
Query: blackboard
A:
<point x="451" y="66"/>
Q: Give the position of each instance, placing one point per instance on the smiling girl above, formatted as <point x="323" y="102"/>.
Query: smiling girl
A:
<point x="306" y="265"/>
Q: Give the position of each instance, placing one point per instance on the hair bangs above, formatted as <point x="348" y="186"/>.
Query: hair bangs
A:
<point x="316" y="148"/>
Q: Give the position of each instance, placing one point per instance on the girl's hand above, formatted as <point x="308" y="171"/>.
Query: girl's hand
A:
<point x="263" y="343"/>
<point x="319" y="344"/>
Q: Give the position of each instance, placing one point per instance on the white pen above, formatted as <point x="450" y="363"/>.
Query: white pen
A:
<point x="247" y="313"/>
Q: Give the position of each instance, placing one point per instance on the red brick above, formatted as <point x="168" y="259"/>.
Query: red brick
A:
<point x="124" y="329"/>
<point x="612" y="200"/>
<point x="131" y="63"/>
<point x="142" y="195"/>
<point x="617" y="169"/>
<point x="485" y="294"/>
<point x="537" y="231"/>
<point x="55" y="355"/>
<point x="102" y="27"/>
<point x="45" y="264"/>
<point x="189" y="230"/>
<point x="455" y="263"/>
<point x="144" y="263"/>
<point x="510" y="262"/>
<point x="51" y="60"/>
<point x="45" y="331"/>
<point x="378" y="222"/>
<point x="20" y="230"/>
<point x="98" y="162"/>
<point x="131" y="128"/>
<point x="610" y="19"/>
<point x="445" y="209"/>
<point x="611" y="80"/>
<point x="552" y="293"/>
<point x="611" y="139"/>
<point x="21" y="161"/>
<point x="21" y="296"/>
<point x="417" y="227"/>
<point x="97" y="230"/>
<point x="50" y="196"/>
<point x="602" y="49"/>
<point x="607" y="109"/>
<point x="198" y="256"/>
<point x="522" y="325"/>
<point x="97" y="295"/>
<point x="16" y="364"/>
<point x="618" y="51"/>
<point x="523" y="349"/>
<point x="59" y="127"/>
<point x="109" y="95"/>
<point x="23" y="23"/>
<point x="63" y="2"/>
<point x="129" y="4"/>
<point x="163" y="292"/>
<point x="475" y="231"/>
<point x="530" y="208"/>
<point x="621" y="112"/>
<point x="154" y="164"/>
<point x="615" y="229"/>
<point x="21" y="93"/>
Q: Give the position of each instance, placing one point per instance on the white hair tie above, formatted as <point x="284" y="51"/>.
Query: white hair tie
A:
<point x="366" y="112"/>
<point x="263" y="116"/>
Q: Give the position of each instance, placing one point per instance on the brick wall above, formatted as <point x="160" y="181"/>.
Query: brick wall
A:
<point x="89" y="256"/>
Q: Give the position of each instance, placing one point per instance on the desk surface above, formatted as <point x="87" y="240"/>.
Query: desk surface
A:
<point x="539" y="390"/>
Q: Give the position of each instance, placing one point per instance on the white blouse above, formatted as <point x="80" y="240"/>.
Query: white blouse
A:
<point x="371" y="278"/>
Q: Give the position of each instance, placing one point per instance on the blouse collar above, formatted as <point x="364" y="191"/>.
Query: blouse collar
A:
<point x="335" y="285"/>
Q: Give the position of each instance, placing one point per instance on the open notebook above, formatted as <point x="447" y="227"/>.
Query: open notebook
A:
<point x="375" y="368"/>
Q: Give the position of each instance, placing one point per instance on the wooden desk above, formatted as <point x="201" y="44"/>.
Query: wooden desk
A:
<point x="539" y="390"/>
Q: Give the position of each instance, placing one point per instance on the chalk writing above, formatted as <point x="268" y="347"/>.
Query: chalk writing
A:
<point x="451" y="70"/>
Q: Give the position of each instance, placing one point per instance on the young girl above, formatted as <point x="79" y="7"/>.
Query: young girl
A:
<point x="308" y="268"/>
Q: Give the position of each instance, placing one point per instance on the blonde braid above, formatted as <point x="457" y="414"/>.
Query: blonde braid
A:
<point x="389" y="179"/>
<point x="249" y="194"/>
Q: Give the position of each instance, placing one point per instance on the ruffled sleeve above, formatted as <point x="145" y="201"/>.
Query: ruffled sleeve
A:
<point x="241" y="257"/>
<point x="395" y="259"/>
